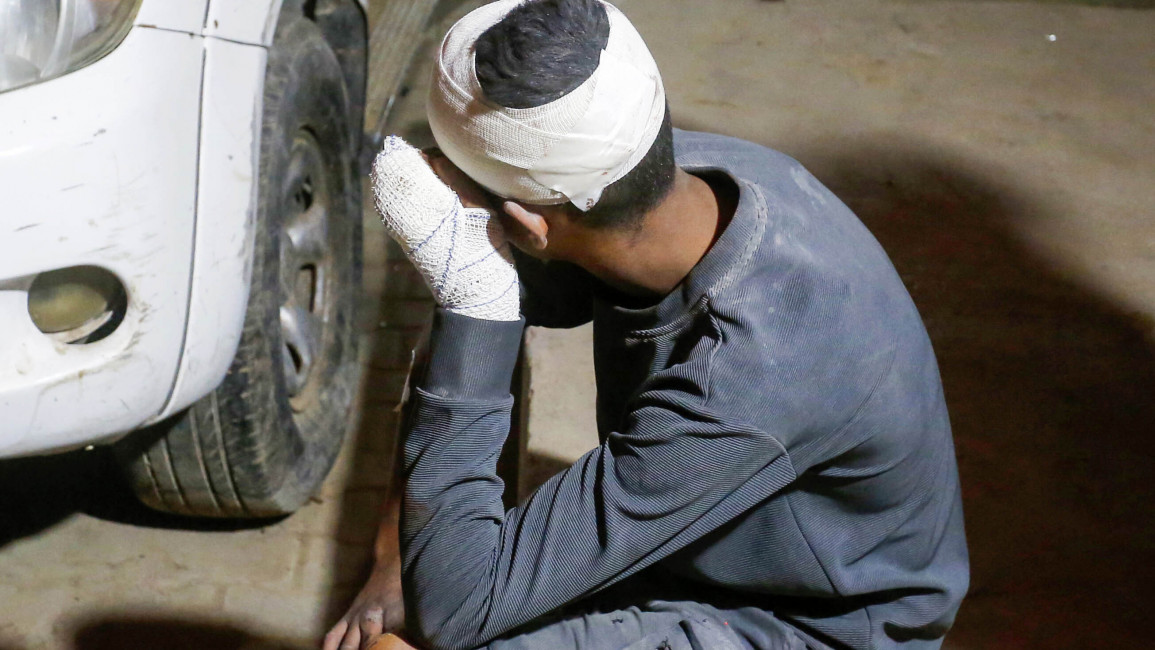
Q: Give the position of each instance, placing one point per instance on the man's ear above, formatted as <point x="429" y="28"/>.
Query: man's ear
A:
<point x="531" y="220"/>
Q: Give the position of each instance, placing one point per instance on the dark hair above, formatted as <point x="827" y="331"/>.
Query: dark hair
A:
<point x="542" y="51"/>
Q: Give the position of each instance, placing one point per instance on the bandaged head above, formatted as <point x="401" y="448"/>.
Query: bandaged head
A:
<point x="567" y="150"/>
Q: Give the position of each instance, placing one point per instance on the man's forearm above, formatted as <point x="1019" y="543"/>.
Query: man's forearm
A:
<point x="459" y="420"/>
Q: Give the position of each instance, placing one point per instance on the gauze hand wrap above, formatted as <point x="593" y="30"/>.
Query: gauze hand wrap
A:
<point x="568" y="150"/>
<point x="461" y="252"/>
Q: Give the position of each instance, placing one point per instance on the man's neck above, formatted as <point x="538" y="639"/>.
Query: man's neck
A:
<point x="651" y="261"/>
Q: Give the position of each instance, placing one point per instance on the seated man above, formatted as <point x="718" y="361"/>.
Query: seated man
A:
<point x="776" y="467"/>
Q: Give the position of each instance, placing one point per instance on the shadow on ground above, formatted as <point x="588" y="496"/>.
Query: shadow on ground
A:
<point x="1050" y="392"/>
<point x="119" y="633"/>
<point x="39" y="492"/>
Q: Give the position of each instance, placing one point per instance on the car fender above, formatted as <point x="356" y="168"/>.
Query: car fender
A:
<point x="229" y="137"/>
<point x="236" y="37"/>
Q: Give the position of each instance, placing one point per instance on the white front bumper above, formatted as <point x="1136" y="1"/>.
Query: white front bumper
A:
<point x="99" y="167"/>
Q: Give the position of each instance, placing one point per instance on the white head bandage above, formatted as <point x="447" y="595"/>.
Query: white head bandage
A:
<point x="570" y="149"/>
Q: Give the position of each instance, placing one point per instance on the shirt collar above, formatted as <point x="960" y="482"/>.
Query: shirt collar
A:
<point x="717" y="269"/>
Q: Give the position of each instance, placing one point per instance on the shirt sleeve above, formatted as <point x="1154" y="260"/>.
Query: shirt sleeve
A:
<point x="554" y="294"/>
<point x="473" y="571"/>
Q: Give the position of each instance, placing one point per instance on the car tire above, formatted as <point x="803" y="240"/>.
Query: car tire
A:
<point x="261" y="444"/>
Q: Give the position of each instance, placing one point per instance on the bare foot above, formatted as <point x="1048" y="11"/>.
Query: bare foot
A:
<point x="378" y="609"/>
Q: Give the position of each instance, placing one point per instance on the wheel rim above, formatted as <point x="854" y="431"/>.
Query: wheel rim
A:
<point x="306" y="269"/>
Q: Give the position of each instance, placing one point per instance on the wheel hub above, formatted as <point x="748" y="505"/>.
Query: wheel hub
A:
<point x="306" y="262"/>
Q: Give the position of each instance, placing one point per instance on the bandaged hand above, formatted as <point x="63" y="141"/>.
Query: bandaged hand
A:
<point x="461" y="252"/>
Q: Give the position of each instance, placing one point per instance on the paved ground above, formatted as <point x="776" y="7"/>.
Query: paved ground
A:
<point x="1003" y="153"/>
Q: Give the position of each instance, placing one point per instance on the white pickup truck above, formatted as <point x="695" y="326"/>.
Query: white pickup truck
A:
<point x="180" y="240"/>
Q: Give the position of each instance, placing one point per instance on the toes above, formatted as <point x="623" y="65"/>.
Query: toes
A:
<point x="333" y="638"/>
<point x="352" y="640"/>
<point x="372" y="622"/>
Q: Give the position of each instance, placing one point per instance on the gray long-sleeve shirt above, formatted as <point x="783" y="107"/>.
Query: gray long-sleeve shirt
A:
<point x="773" y="433"/>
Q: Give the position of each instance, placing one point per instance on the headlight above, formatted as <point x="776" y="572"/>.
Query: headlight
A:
<point x="41" y="39"/>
